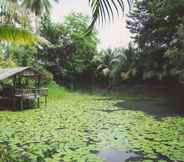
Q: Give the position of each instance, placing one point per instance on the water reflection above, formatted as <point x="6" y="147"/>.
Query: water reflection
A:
<point x="156" y="108"/>
<point x="117" y="156"/>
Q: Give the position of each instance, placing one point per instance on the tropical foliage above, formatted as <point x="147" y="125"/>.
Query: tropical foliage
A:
<point x="116" y="65"/>
<point x="15" y="24"/>
<point x="157" y="28"/>
<point x="12" y="13"/>
<point x="105" y="10"/>
<point x="78" y="126"/>
<point x="156" y="52"/>
<point x="69" y="57"/>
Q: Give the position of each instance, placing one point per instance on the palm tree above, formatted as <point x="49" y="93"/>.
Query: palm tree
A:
<point x="115" y="65"/>
<point x="13" y="19"/>
<point x="39" y="8"/>
<point x="105" y="9"/>
<point x="100" y="8"/>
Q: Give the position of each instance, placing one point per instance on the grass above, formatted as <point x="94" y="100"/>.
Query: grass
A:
<point x="76" y="125"/>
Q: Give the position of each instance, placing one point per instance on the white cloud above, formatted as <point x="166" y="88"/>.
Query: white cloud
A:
<point x="112" y="34"/>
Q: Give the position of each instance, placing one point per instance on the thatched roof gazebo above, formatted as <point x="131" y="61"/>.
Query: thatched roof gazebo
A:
<point x="24" y="85"/>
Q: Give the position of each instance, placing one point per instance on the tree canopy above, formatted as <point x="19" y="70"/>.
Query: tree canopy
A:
<point x="71" y="51"/>
<point x="157" y="28"/>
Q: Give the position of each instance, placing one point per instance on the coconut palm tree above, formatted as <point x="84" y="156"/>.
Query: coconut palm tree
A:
<point x="13" y="20"/>
<point x="116" y="65"/>
<point x="39" y="8"/>
<point x="105" y="9"/>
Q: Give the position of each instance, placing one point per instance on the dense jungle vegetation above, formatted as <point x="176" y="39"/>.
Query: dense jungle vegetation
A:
<point x="131" y="98"/>
<point x="155" y="53"/>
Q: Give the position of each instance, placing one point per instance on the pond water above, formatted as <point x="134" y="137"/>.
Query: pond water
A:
<point x="117" y="156"/>
<point x="81" y="127"/>
<point x="128" y="156"/>
<point x="157" y="108"/>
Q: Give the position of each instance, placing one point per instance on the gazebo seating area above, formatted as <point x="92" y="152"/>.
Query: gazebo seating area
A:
<point x="21" y="85"/>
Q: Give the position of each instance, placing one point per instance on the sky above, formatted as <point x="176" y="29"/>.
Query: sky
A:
<point x="112" y="34"/>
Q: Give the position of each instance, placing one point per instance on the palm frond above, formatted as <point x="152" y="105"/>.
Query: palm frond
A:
<point x="13" y="12"/>
<point x="18" y="35"/>
<point x="39" y="7"/>
<point x="105" y="9"/>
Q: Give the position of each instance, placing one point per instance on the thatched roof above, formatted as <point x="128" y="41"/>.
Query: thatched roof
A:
<point x="10" y="72"/>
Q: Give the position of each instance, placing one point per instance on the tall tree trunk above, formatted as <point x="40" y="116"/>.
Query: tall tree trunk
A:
<point x="37" y="24"/>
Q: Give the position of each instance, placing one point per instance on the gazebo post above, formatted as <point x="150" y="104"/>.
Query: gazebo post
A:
<point x="14" y="81"/>
<point x="19" y="81"/>
<point x="38" y="87"/>
<point x="21" y="99"/>
<point x="14" y="91"/>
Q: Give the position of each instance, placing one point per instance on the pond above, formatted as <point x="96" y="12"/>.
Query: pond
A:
<point x="94" y="127"/>
<point x="118" y="156"/>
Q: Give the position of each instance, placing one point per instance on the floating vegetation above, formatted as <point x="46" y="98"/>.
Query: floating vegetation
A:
<point x="74" y="129"/>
